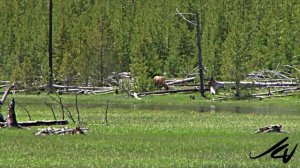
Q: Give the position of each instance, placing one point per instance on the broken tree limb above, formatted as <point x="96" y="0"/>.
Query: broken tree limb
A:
<point x="49" y="105"/>
<point x="2" y="101"/>
<point x="27" y="112"/>
<point x="63" y="107"/>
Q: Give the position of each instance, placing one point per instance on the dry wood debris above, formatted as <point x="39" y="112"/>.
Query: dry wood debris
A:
<point x="61" y="131"/>
<point x="271" y="128"/>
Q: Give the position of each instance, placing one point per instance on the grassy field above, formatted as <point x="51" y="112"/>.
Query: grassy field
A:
<point x="157" y="131"/>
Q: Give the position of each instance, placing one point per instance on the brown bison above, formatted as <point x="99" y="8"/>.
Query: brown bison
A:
<point x="161" y="82"/>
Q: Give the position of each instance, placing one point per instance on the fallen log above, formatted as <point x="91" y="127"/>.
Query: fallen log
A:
<point x="3" y="86"/>
<point x="4" y="82"/>
<point x="218" y="84"/>
<point x="81" y="91"/>
<point x="195" y="85"/>
<point x="169" y="91"/>
<point x="38" y="123"/>
<point x="270" y="93"/>
<point x="82" y="87"/>
<point x="181" y="81"/>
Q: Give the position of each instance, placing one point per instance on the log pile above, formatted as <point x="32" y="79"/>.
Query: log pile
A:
<point x="61" y="131"/>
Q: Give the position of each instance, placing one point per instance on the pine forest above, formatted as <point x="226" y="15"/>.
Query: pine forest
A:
<point x="95" y="39"/>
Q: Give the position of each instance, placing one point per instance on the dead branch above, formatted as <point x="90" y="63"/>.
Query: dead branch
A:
<point x="27" y="112"/>
<point x="182" y="15"/>
<point x="49" y="105"/>
<point x="63" y="107"/>
<point x="77" y="110"/>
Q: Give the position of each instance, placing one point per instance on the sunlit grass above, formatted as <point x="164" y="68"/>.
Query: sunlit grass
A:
<point x="145" y="137"/>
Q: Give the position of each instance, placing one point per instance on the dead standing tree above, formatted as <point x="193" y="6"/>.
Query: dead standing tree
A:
<point x="11" y="119"/>
<point x="200" y="64"/>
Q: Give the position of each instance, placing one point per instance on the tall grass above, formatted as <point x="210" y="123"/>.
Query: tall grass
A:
<point x="146" y="137"/>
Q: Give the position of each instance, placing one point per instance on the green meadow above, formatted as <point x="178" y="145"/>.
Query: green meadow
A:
<point x="157" y="131"/>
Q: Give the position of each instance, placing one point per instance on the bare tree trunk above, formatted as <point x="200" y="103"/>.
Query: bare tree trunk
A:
<point x="50" y="82"/>
<point x="238" y="88"/>
<point x="201" y="69"/>
<point x="11" y="118"/>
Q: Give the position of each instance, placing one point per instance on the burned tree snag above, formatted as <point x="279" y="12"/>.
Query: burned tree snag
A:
<point x="11" y="118"/>
<point x="200" y="62"/>
<point x="50" y="82"/>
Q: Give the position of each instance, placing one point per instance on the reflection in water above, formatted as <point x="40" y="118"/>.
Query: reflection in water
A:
<point x="211" y="107"/>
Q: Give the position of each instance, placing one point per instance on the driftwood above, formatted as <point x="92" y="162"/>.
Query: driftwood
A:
<point x="61" y="131"/>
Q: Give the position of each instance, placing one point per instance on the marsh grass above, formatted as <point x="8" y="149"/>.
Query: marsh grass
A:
<point x="146" y="137"/>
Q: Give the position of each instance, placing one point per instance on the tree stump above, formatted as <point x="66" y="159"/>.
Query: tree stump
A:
<point x="11" y="119"/>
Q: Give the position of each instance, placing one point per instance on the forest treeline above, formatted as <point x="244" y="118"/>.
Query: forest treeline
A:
<point x="94" y="38"/>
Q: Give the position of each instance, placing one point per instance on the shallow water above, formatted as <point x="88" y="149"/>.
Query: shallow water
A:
<point x="212" y="107"/>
